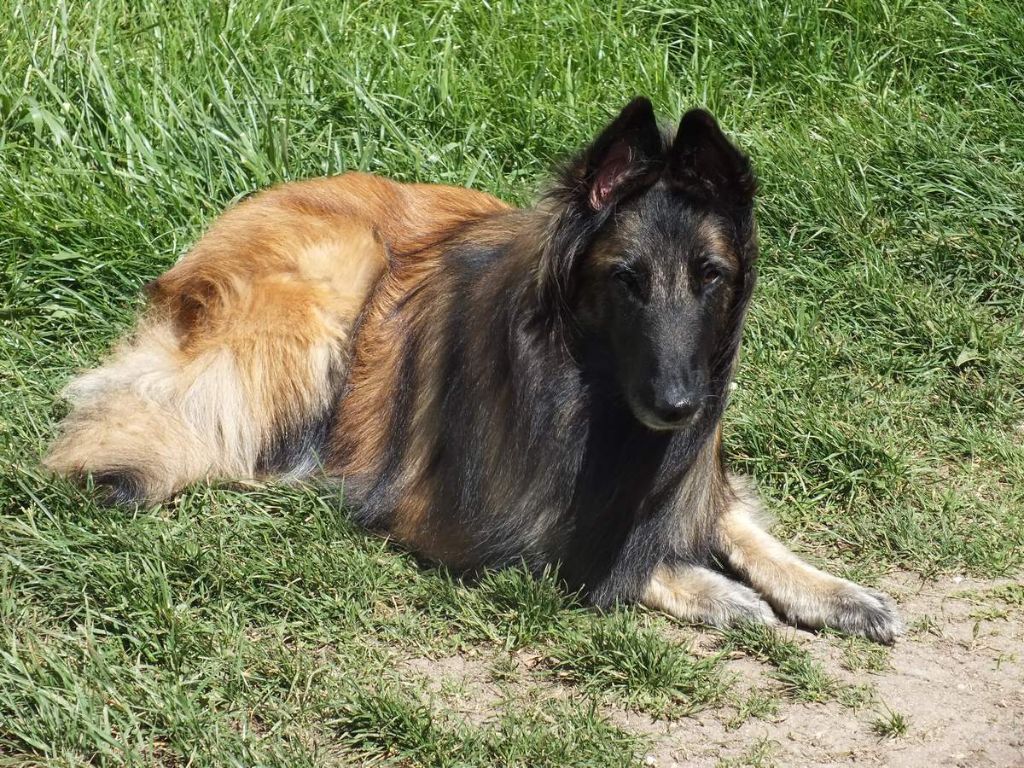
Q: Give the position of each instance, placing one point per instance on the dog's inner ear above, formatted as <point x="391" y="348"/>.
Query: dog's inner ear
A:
<point x="611" y="176"/>
<point x="626" y="153"/>
<point x="703" y="164"/>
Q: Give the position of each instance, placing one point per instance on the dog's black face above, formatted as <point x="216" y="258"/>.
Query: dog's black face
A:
<point x="667" y="277"/>
<point x="663" y="267"/>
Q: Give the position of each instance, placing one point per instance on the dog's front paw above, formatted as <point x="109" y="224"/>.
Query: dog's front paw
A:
<point x="869" y="613"/>
<point x="739" y="605"/>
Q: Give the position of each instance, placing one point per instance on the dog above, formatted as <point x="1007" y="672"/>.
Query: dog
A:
<point x="494" y="385"/>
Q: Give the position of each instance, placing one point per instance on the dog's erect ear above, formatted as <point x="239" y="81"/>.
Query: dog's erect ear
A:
<point x="704" y="164"/>
<point x="625" y="155"/>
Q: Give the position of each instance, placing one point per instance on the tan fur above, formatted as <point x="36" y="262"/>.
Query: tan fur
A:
<point x="713" y="233"/>
<point x="798" y="591"/>
<point x="245" y="332"/>
<point x="801" y="591"/>
<point x="692" y="592"/>
<point x="363" y="427"/>
<point x="724" y="511"/>
<point x="698" y="594"/>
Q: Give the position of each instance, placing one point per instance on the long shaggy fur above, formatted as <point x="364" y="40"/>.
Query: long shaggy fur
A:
<point x="490" y="383"/>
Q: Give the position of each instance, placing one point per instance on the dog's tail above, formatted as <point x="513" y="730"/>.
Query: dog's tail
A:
<point x="155" y="418"/>
<point x="134" y="425"/>
<point x="234" y="370"/>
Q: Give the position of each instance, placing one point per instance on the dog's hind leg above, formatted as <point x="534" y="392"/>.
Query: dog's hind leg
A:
<point x="235" y="367"/>
<point x="799" y="592"/>
<point x="698" y="594"/>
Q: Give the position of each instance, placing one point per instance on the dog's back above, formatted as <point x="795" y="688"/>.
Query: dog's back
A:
<point x="239" y="358"/>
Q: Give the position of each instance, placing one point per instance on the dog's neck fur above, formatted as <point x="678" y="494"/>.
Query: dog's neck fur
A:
<point x="608" y="491"/>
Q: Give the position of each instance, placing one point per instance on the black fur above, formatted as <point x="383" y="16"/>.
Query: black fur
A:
<point x="538" y="449"/>
<point x="119" y="487"/>
<point x="297" y="446"/>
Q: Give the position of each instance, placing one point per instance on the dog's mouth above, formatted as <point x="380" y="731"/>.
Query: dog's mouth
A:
<point x="671" y="420"/>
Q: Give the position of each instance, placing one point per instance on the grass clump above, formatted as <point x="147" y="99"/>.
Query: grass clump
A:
<point x="619" y="656"/>
<point x="757" y="704"/>
<point x="1008" y="596"/>
<point x="395" y="723"/>
<point x="760" y="754"/>
<point x="801" y="676"/>
<point x="857" y="697"/>
<point x="510" y="608"/>
<point x="891" y="725"/>
<point x="1012" y="595"/>
<point x="860" y="654"/>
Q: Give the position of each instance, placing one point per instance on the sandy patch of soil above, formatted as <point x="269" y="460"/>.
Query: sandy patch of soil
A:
<point x="957" y="676"/>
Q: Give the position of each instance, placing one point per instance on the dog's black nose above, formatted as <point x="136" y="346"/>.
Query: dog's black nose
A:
<point x="676" y="409"/>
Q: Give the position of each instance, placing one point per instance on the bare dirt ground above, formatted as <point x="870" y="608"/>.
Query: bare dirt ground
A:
<point x="956" y="678"/>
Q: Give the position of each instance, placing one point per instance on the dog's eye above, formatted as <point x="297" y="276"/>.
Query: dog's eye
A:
<point x="629" y="280"/>
<point x="709" y="275"/>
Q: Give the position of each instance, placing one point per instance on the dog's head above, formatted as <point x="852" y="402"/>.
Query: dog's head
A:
<point x="651" y="259"/>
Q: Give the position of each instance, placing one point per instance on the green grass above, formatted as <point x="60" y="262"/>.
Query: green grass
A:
<point x="802" y="677"/>
<point x="762" y="704"/>
<point x="636" y="666"/>
<point x="891" y="725"/>
<point x="389" y="724"/>
<point x="759" y="755"/>
<point x="860" y="654"/>
<point x="881" y="392"/>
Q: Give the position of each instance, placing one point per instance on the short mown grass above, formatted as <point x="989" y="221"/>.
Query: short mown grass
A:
<point x="881" y="392"/>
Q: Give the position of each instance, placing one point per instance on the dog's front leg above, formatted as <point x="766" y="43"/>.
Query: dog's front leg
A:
<point x="799" y="592"/>
<point x="694" y="593"/>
